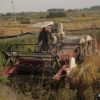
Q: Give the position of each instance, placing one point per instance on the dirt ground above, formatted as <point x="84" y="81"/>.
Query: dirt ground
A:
<point x="7" y="93"/>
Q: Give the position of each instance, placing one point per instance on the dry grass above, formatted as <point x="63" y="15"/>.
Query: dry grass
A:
<point x="88" y="71"/>
<point x="13" y="28"/>
<point x="82" y="23"/>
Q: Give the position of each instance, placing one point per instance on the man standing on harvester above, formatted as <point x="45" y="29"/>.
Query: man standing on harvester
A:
<point x="46" y="38"/>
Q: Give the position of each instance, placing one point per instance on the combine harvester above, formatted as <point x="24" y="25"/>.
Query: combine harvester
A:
<point x="66" y="52"/>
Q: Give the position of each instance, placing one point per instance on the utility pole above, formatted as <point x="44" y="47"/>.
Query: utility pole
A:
<point x="13" y="10"/>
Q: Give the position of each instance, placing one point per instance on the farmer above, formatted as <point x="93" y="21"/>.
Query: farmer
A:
<point x="45" y="38"/>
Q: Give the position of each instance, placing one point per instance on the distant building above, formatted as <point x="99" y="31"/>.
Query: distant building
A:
<point x="95" y="8"/>
<point x="55" y="10"/>
<point x="56" y="13"/>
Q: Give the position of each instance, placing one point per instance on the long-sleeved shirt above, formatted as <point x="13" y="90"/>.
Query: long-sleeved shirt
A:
<point x="44" y="36"/>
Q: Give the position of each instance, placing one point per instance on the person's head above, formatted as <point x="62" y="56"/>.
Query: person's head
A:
<point x="43" y="29"/>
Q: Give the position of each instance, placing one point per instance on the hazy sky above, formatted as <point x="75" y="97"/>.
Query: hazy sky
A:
<point x="43" y="5"/>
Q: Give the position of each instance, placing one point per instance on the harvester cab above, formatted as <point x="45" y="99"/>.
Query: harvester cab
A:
<point x="56" y="29"/>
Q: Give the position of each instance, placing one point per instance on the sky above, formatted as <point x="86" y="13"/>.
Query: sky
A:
<point x="43" y="5"/>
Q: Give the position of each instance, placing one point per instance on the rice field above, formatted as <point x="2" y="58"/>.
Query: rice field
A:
<point x="83" y="83"/>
